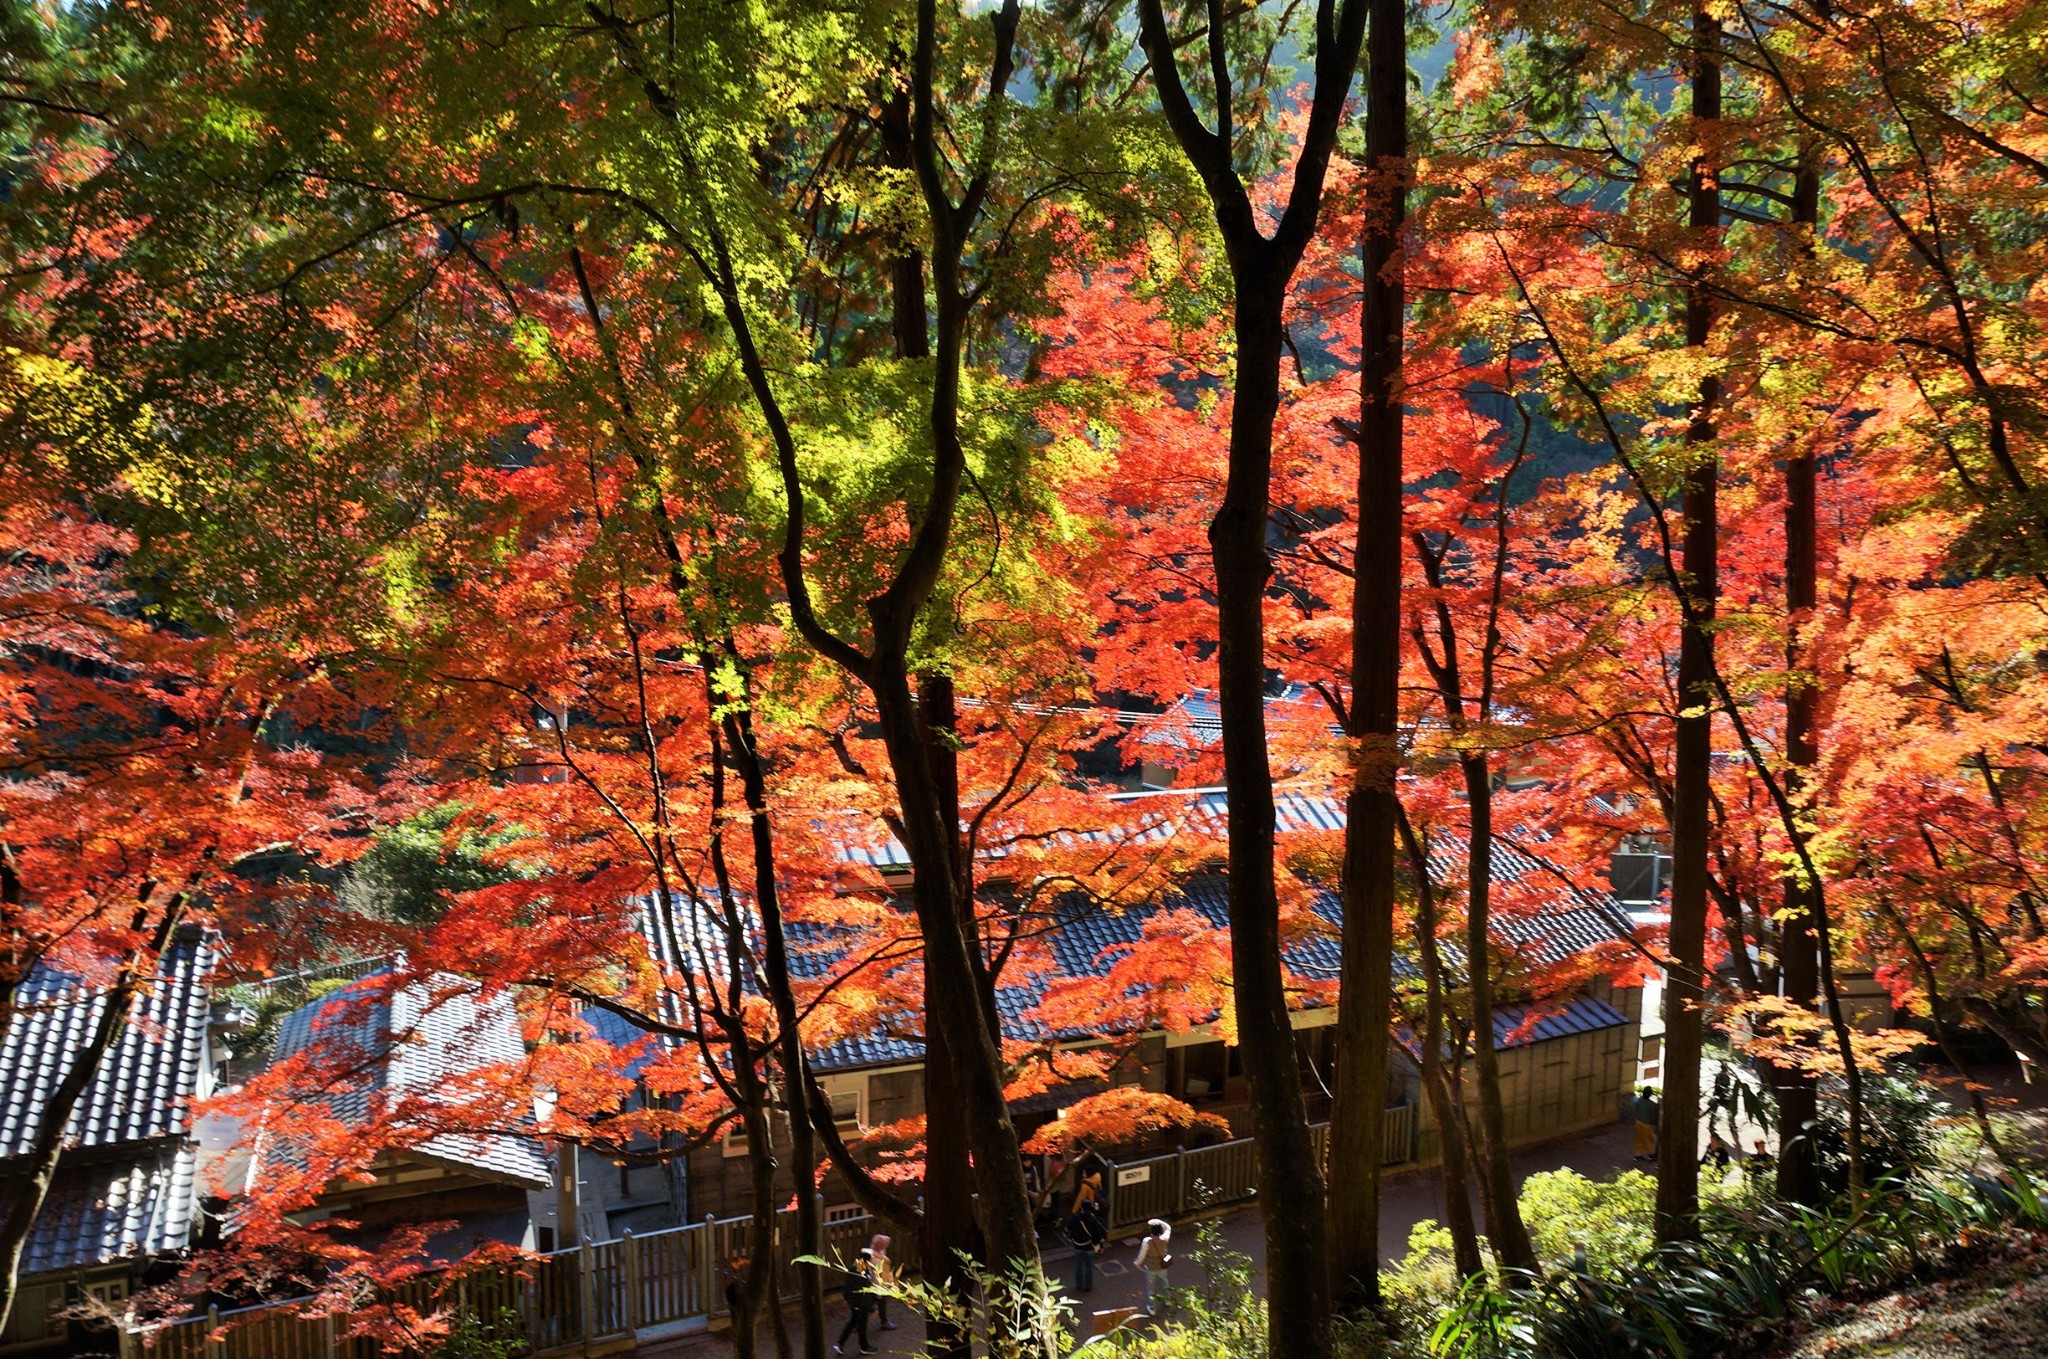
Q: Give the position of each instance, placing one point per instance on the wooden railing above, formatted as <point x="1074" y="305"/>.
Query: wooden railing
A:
<point x="1182" y="1183"/>
<point x="670" y="1281"/>
<point x="601" y="1291"/>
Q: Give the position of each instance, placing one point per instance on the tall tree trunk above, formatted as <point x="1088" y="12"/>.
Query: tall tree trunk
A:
<point x="952" y="987"/>
<point x="1678" y="1171"/>
<point x="1290" y="1181"/>
<point x="1798" y="946"/>
<point x="1365" y="1015"/>
<point x="1437" y="1084"/>
<point x="1504" y="1225"/>
<point x="949" y="1226"/>
<point x="803" y="1148"/>
<point x="948" y="1230"/>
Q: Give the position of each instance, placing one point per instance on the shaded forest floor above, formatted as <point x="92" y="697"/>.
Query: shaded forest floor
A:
<point x="1999" y="1307"/>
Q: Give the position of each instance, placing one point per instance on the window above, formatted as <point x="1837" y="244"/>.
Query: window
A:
<point x="109" y="1293"/>
<point x="846" y="1094"/>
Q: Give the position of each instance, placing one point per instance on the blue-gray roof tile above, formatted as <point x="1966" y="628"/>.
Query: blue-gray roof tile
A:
<point x="115" y="1210"/>
<point x="415" y="1039"/>
<point x="144" y="1088"/>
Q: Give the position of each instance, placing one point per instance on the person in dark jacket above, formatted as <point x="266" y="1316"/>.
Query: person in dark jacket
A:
<point x="1087" y="1235"/>
<point x="860" y="1300"/>
<point x="1647" y="1112"/>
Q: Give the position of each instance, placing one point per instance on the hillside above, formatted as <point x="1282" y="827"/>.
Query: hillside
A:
<point x="2000" y="1308"/>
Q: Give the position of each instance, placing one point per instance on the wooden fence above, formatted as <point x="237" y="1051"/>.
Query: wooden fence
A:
<point x="1180" y="1183"/>
<point x="604" y="1294"/>
<point x="589" y="1295"/>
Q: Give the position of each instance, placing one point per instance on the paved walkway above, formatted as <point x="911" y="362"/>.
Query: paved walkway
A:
<point x="1410" y="1196"/>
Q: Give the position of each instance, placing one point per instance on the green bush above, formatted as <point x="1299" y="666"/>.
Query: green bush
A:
<point x="472" y="1337"/>
<point x="1752" y="1269"/>
<point x="1902" y="1121"/>
<point x="1612" y="1219"/>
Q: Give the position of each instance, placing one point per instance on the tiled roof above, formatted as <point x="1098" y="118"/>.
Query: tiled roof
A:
<point x="1513" y="1028"/>
<point x="144" y="1089"/>
<point x="1570" y="923"/>
<point x="416" y="1039"/>
<point x="1196" y="722"/>
<point x="1087" y="938"/>
<point x="113" y="1210"/>
<point x="1581" y="1014"/>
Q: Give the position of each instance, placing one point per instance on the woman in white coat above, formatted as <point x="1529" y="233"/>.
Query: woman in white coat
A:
<point x="1152" y="1262"/>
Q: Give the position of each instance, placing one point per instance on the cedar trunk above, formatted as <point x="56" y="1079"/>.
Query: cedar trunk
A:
<point x="1365" y="1017"/>
<point x="1797" y="1091"/>
<point x="1678" y="1171"/>
<point x="1798" y="945"/>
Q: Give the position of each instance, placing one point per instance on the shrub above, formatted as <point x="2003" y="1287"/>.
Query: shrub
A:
<point x="1612" y="1219"/>
<point x="1902" y="1121"/>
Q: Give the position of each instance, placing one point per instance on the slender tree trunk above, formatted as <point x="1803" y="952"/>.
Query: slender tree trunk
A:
<point x="952" y="989"/>
<point x="1290" y="1180"/>
<point x="803" y="1149"/>
<point x="1929" y="978"/>
<point x="1678" y="1171"/>
<point x="1436" y="1082"/>
<point x="948" y="1230"/>
<point x="1798" y="947"/>
<point x="759" y="1284"/>
<point x="1509" y="1234"/>
<point x="1365" y="1016"/>
<point x="955" y="989"/>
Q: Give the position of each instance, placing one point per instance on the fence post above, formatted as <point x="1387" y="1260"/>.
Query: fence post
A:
<point x="586" y="1293"/>
<point x="632" y="1249"/>
<point x="1180" y="1181"/>
<point x="327" y="1335"/>
<point x="707" y="1267"/>
<point x="214" y="1348"/>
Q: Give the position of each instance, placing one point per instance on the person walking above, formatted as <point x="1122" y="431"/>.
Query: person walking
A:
<point x="1153" y="1261"/>
<point x="885" y="1275"/>
<point x="860" y="1298"/>
<point x="1648" y="1112"/>
<point x="1087" y="1234"/>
